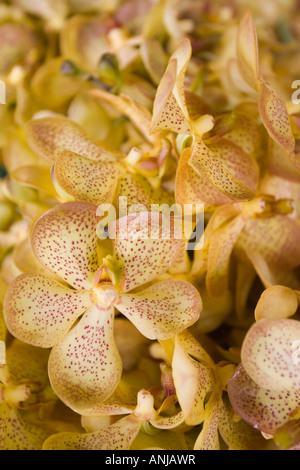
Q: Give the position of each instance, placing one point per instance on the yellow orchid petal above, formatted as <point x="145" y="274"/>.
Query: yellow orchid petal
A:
<point x="276" y="302"/>
<point x="138" y="114"/>
<point x="238" y="435"/>
<point x="118" y="436"/>
<point x="49" y="135"/>
<point x="274" y="238"/>
<point x="203" y="161"/>
<point x="247" y="49"/>
<point x="281" y="165"/>
<point x="208" y="438"/>
<point x="263" y="408"/>
<point x="27" y="363"/>
<point x="85" y="367"/>
<point x="87" y="180"/>
<point x="64" y="240"/>
<point x="269" y="356"/>
<point x="169" y="109"/>
<point x="163" y="309"/>
<point x="18" y="45"/>
<point x="146" y="243"/>
<point x="192" y="378"/>
<point x="134" y="188"/>
<point x="221" y="246"/>
<point x="163" y="440"/>
<point x="276" y="119"/>
<point x="154" y="58"/>
<point x="16" y="433"/>
<point x="168" y="422"/>
<point x="40" y="311"/>
<point x="35" y="177"/>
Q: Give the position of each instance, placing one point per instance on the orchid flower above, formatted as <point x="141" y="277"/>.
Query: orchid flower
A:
<point x="84" y="364"/>
<point x="121" y="434"/>
<point x="102" y="174"/>
<point x="264" y="390"/>
<point x="200" y="386"/>
<point x="261" y="231"/>
<point x="220" y="166"/>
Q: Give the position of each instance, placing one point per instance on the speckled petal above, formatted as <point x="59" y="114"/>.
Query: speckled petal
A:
<point x="264" y="409"/>
<point x="238" y="435"/>
<point x="168" y="422"/>
<point x="204" y="162"/>
<point x="269" y="354"/>
<point x="169" y="110"/>
<point x="275" y="238"/>
<point x="47" y="136"/>
<point x="163" y="309"/>
<point x="146" y="244"/>
<point x="208" y="438"/>
<point x="276" y="119"/>
<point x="118" y="436"/>
<point x="87" y="180"/>
<point x="18" y="434"/>
<point x="64" y="240"/>
<point x="85" y="367"/>
<point x="40" y="311"/>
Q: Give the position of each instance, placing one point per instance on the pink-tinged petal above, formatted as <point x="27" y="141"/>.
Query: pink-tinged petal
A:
<point x="247" y="49"/>
<point x="208" y="438"/>
<point x="264" y="409"/>
<point x="204" y="162"/>
<point x="193" y="379"/>
<point x="269" y="354"/>
<point x="275" y="238"/>
<point x="40" y="311"/>
<point x="118" y="436"/>
<point x="64" y="239"/>
<point x="163" y="309"/>
<point x="246" y="133"/>
<point x="47" y="136"/>
<point x="169" y="109"/>
<point x="276" y="119"/>
<point x="85" y="367"/>
<point x="146" y="243"/>
<point x="16" y="433"/>
<point x="238" y="435"/>
<point x="167" y="114"/>
<point x="221" y="246"/>
<point x="87" y="180"/>
<point x="276" y="302"/>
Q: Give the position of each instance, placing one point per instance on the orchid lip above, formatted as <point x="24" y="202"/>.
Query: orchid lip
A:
<point x="105" y="293"/>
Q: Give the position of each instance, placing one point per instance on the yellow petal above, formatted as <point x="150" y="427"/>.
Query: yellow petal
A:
<point x="40" y="311"/>
<point x="49" y="135"/>
<point x="269" y="355"/>
<point x="64" y="240"/>
<point x="146" y="244"/>
<point x="85" y="367"/>
<point x="87" y="180"/>
<point x="163" y="309"/>
<point x="276" y="302"/>
<point x="247" y="49"/>
<point x="118" y="436"/>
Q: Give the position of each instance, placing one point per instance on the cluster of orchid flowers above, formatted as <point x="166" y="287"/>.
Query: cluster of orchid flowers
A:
<point x="138" y="342"/>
